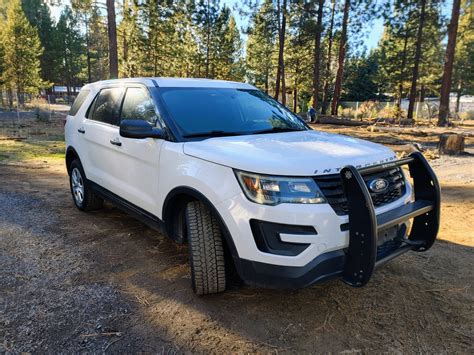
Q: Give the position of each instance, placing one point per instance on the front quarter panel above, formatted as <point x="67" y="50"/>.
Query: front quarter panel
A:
<point x="216" y="182"/>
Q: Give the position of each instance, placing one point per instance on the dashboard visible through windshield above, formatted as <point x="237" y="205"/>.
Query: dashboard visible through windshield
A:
<point x="211" y="112"/>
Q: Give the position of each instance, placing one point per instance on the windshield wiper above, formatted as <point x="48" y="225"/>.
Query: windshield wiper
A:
<point x="278" y="130"/>
<point x="213" y="134"/>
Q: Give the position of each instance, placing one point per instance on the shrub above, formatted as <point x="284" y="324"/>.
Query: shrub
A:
<point x="367" y="109"/>
<point x="41" y="109"/>
<point x="391" y="112"/>
<point x="348" y="112"/>
<point x="468" y="115"/>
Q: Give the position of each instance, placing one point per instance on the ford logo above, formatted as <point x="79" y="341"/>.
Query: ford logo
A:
<point x="378" y="185"/>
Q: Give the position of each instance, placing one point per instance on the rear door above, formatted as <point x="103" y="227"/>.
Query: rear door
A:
<point x="100" y="130"/>
<point x="138" y="159"/>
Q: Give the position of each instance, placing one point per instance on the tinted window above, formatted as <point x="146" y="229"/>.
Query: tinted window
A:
<point x="197" y="110"/>
<point x="107" y="106"/>
<point x="138" y="105"/>
<point x="78" y="102"/>
<point x="90" y="109"/>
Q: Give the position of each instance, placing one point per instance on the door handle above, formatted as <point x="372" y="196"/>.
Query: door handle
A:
<point x="81" y="130"/>
<point x="115" y="141"/>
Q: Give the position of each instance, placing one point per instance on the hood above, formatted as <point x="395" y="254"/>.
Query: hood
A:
<point x="303" y="153"/>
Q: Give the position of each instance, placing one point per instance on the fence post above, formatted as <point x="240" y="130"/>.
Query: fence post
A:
<point x="417" y="108"/>
<point x="357" y="108"/>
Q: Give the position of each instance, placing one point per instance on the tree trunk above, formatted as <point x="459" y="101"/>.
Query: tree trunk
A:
<point x="125" y="42"/>
<point x="281" y="49"/>
<point x="417" y="59"/>
<point x="448" y="64"/>
<point x="295" y="98"/>
<point x="112" y="32"/>
<point x="342" y="56"/>
<point x="458" y="96"/>
<point x="402" y="71"/>
<point x="10" y="97"/>
<point x="277" y="83"/>
<point x="317" y="54"/>
<point x="266" y="82"/>
<point x="328" y="60"/>
<point x="208" y="39"/>
<point x="451" y="144"/>
<point x="88" y="51"/>
<point x="422" y="93"/>
<point x="283" y="85"/>
<point x="155" y="55"/>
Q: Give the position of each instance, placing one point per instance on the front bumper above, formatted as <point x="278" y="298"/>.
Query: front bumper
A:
<point x="356" y="262"/>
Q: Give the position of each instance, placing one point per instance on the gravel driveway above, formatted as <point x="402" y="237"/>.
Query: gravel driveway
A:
<point x="102" y="281"/>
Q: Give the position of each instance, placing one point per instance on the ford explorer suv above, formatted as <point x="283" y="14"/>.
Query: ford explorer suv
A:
<point x="251" y="188"/>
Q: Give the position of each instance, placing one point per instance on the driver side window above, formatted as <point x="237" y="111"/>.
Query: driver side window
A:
<point x="138" y="105"/>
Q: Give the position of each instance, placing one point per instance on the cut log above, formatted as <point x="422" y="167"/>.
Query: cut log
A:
<point x="406" y="148"/>
<point x="334" y="120"/>
<point x="451" y="144"/>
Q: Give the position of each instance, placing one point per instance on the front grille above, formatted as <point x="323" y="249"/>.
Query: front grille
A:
<point x="331" y="187"/>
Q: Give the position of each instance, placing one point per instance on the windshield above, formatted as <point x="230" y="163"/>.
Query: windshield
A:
<point x="216" y="111"/>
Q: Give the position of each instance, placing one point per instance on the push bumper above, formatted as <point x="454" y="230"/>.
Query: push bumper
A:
<point x="357" y="262"/>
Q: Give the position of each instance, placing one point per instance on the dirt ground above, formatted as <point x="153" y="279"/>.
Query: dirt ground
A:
<point x="103" y="282"/>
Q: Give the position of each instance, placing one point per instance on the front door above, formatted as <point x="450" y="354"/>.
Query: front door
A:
<point x="137" y="160"/>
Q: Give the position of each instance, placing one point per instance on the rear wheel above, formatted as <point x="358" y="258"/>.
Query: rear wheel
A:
<point x="84" y="198"/>
<point x="206" y="250"/>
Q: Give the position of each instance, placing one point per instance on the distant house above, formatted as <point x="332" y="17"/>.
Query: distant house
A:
<point x="59" y="90"/>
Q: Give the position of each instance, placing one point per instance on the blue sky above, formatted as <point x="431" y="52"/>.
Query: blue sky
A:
<point x="371" y="39"/>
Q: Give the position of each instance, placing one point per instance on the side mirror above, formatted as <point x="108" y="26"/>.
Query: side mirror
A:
<point x="140" y="129"/>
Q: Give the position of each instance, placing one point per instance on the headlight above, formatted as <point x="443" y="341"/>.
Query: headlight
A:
<point x="273" y="190"/>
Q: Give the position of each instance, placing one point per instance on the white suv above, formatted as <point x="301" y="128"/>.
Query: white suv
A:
<point x="246" y="182"/>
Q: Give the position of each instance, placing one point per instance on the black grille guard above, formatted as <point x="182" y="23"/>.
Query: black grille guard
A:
<point x="364" y="224"/>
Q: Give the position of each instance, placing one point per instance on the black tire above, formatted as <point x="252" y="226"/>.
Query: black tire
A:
<point x="89" y="201"/>
<point x="206" y="250"/>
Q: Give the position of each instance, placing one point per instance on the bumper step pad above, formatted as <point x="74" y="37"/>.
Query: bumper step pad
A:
<point x="364" y="225"/>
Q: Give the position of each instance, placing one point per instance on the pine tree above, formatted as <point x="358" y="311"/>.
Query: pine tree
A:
<point x="341" y="58"/>
<point x="280" y="76"/>
<point x="22" y="51"/>
<point x="395" y="49"/>
<point x="184" y="40"/>
<point x="418" y="53"/>
<point x="448" y="64"/>
<point x="38" y="14"/>
<point x="70" y="51"/>
<point x="360" y="78"/>
<point x="463" y="76"/>
<point x="327" y="72"/>
<point x="299" y="56"/>
<point x="229" y="65"/>
<point x="131" y="41"/>
<point x="206" y="16"/>
<point x="98" y="45"/>
<point x="95" y="38"/>
<point x="261" y="44"/>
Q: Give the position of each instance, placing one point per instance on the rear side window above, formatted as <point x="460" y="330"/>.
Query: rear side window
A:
<point x="138" y="105"/>
<point x="107" y="106"/>
<point x="78" y="102"/>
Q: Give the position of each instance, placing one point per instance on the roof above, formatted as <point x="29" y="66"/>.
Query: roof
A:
<point x="176" y="82"/>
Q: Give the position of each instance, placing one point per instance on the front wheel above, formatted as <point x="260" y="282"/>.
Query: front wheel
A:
<point x="206" y="250"/>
